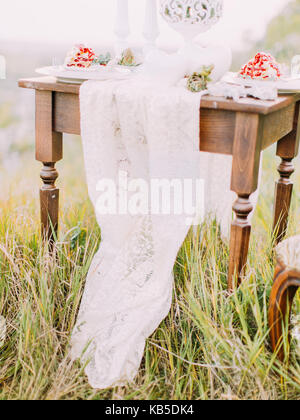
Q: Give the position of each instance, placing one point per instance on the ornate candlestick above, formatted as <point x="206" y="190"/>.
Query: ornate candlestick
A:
<point x="190" y="18"/>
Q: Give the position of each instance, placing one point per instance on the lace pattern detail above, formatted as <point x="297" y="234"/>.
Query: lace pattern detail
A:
<point x="149" y="132"/>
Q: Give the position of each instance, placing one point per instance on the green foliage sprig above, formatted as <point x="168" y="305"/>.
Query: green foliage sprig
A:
<point x="198" y="80"/>
<point x="102" y="60"/>
<point x="128" y="59"/>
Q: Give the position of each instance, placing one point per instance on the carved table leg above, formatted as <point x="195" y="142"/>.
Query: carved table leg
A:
<point x="283" y="196"/>
<point x="49" y="199"/>
<point x="48" y="151"/>
<point x="287" y="149"/>
<point x="244" y="181"/>
<point x="239" y="239"/>
<point x="283" y="292"/>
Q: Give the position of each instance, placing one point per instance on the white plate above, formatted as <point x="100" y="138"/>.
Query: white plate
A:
<point x="285" y="85"/>
<point x="79" y="76"/>
<point x="122" y="67"/>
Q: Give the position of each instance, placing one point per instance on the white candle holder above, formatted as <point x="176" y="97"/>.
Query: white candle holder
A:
<point x="122" y="29"/>
<point x="190" y="18"/>
<point x="151" y="30"/>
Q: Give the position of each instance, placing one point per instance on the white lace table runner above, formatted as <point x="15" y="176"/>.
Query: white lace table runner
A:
<point x="146" y="132"/>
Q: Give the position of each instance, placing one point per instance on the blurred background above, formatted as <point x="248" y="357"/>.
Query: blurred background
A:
<point x="34" y="32"/>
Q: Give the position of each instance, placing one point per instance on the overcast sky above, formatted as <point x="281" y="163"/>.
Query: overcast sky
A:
<point x="72" y="21"/>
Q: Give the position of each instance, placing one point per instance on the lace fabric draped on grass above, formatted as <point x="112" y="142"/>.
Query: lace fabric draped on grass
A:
<point x="150" y="132"/>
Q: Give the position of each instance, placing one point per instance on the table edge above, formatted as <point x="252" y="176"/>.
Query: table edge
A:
<point x="208" y="102"/>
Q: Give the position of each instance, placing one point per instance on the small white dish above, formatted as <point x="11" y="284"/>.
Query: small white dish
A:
<point x="284" y="85"/>
<point x="79" y="76"/>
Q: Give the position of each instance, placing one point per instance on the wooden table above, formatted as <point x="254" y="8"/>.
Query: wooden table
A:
<point x="241" y="129"/>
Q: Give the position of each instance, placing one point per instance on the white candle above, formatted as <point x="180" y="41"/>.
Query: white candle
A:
<point x="151" y="30"/>
<point x="122" y="29"/>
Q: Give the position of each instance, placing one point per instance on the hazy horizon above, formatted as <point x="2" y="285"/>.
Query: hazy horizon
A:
<point x="92" y="21"/>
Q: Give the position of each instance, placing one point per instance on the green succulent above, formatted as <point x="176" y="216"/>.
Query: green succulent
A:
<point x="128" y="59"/>
<point x="198" y="80"/>
<point x="103" y="60"/>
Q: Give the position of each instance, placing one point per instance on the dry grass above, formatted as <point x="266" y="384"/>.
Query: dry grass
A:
<point x="211" y="346"/>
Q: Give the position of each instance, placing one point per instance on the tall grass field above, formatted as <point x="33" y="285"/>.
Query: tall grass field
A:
<point x="211" y="346"/>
